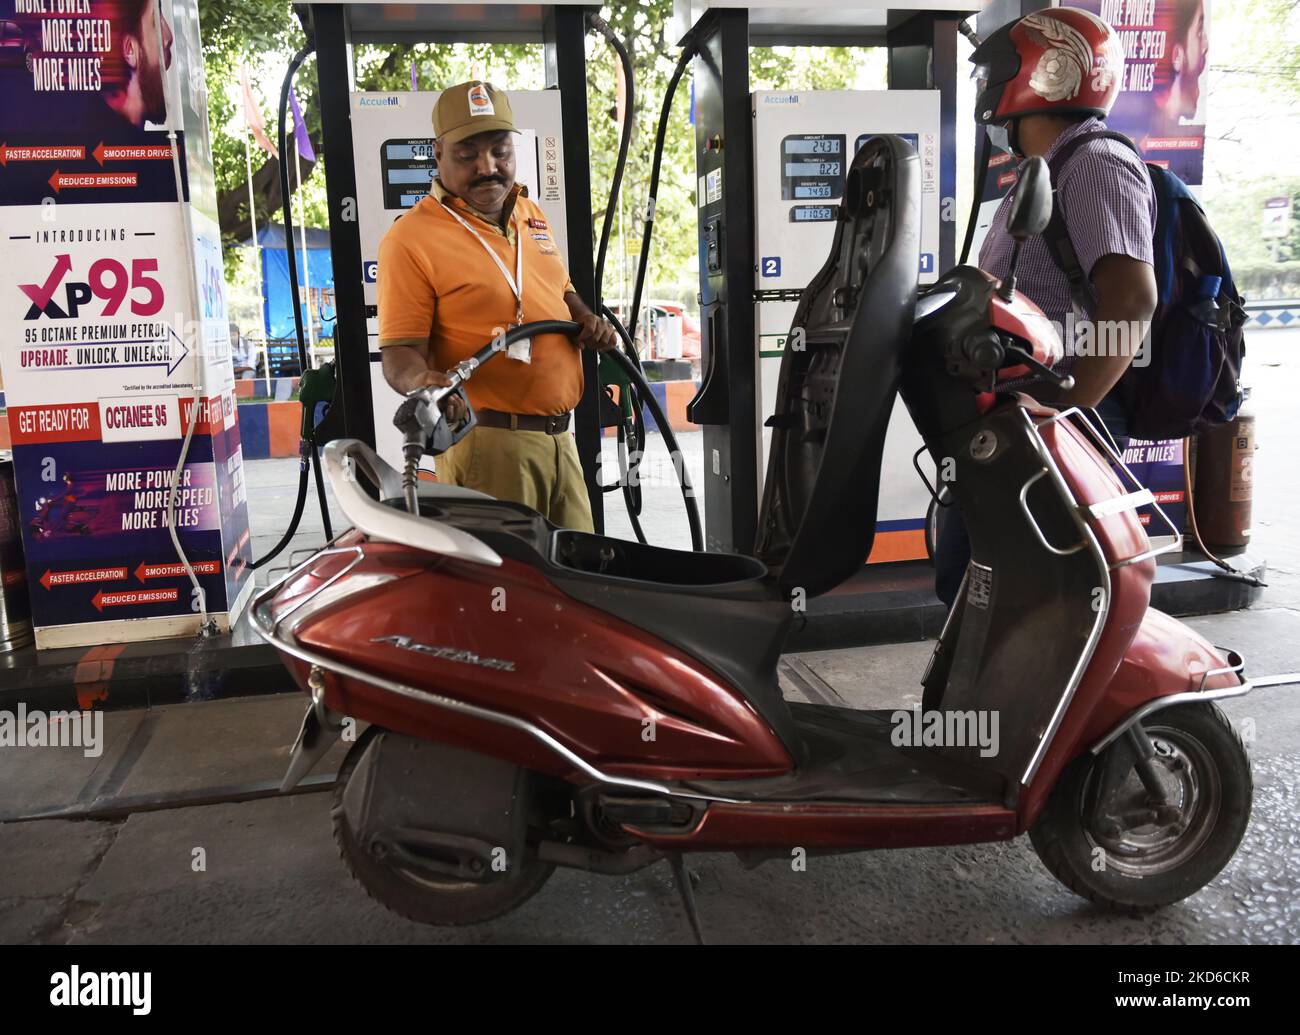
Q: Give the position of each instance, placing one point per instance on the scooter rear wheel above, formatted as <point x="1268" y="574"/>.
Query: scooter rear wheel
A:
<point x="419" y="896"/>
<point x="1147" y="861"/>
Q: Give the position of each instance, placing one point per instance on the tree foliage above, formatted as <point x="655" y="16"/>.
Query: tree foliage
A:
<point x="1252" y="42"/>
<point x="1253" y="88"/>
<point x="264" y="34"/>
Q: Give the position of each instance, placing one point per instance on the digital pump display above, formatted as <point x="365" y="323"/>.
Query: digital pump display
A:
<point x="814" y="213"/>
<point x="408" y="168"/>
<point x="812" y="166"/>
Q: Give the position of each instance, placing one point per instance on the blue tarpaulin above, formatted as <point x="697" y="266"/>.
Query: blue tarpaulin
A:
<point x="278" y="303"/>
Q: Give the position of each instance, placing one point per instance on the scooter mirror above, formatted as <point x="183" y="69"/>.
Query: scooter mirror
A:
<point x="1031" y="208"/>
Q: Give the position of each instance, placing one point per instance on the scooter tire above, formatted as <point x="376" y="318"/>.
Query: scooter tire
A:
<point x="1207" y="763"/>
<point x="421" y="898"/>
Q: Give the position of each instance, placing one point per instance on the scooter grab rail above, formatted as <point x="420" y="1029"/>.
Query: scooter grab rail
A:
<point x="1101" y="612"/>
<point x="1033" y="522"/>
<point x="1137" y="498"/>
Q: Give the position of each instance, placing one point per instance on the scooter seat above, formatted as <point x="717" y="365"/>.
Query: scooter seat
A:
<point x="441" y="491"/>
<point x="623" y="559"/>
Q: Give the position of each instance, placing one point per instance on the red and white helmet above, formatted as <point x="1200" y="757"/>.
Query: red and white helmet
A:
<point x="1058" y="61"/>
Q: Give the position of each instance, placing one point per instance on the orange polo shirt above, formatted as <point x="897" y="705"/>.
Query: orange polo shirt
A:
<point x="438" y="286"/>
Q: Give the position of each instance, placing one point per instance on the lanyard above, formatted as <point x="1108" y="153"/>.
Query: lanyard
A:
<point x="517" y="281"/>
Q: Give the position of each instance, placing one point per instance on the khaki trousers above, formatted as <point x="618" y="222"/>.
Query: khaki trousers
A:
<point x="531" y="467"/>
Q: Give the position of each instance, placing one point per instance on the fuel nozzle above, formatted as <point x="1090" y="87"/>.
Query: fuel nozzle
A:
<point x="411" y="415"/>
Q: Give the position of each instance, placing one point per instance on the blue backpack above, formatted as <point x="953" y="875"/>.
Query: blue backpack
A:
<point x="1193" y="379"/>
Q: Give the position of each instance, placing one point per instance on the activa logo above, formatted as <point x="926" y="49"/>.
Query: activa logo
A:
<point x="108" y="280"/>
<point x="95" y="988"/>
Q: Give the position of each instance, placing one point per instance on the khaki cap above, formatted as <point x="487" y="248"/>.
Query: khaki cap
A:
<point x="470" y="108"/>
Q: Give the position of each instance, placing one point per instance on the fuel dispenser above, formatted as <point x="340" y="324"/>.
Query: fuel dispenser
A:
<point x="771" y="166"/>
<point x="803" y="143"/>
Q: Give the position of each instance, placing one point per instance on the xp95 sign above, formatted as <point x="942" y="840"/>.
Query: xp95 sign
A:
<point x="109" y="282"/>
<point x="99" y="346"/>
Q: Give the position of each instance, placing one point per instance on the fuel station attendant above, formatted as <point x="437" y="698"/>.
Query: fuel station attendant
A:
<point x="475" y="257"/>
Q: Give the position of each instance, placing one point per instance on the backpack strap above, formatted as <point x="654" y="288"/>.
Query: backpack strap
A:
<point x="1057" y="235"/>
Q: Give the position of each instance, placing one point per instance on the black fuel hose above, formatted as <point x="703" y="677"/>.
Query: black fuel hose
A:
<point x="625" y="137"/>
<point x="661" y="133"/>
<point x="638" y="410"/>
<point x="571" y="329"/>
<point x="311" y="456"/>
<point x="629" y="470"/>
<point x="981" y="172"/>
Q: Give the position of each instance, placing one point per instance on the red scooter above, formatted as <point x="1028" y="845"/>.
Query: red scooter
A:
<point x="542" y="697"/>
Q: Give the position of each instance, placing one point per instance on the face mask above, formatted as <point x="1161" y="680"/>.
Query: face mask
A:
<point x="999" y="137"/>
<point x="980" y="77"/>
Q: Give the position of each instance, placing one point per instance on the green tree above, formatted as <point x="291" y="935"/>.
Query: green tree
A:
<point x="1253" y="89"/>
<point x="264" y="34"/>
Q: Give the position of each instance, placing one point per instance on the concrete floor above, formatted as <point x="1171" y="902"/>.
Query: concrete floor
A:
<point x="272" y="873"/>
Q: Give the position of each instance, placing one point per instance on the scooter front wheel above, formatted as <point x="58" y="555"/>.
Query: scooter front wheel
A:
<point x="1138" y="854"/>
<point x="421" y="896"/>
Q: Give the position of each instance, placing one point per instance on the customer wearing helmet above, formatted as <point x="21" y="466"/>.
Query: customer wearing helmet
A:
<point x="1044" y="80"/>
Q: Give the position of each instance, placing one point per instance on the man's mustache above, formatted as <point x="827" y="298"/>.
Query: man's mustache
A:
<point x="485" y="180"/>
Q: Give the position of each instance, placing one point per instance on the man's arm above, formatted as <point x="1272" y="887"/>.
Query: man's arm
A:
<point x="595" y="333"/>
<point x="406" y="368"/>
<point x="1126" y="300"/>
<point x="1110" y="190"/>
<point x="406" y="307"/>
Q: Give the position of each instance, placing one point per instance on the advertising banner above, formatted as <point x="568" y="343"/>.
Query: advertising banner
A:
<point x="113" y="329"/>
<point x="85" y="91"/>
<point x="1161" y="106"/>
<point x="1159" y="467"/>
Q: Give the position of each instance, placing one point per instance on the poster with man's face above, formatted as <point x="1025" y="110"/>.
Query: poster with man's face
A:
<point x="88" y="89"/>
<point x="1162" y="99"/>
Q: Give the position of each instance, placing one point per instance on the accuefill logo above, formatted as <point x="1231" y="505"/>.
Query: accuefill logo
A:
<point x="380" y="102"/>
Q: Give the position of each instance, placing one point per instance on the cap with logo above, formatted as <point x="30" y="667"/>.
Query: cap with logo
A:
<point x="470" y="108"/>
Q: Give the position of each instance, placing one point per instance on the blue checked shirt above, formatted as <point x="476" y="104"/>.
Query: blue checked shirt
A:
<point x="1109" y="208"/>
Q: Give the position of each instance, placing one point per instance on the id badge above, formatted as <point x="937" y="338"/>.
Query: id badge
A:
<point x="521" y="350"/>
